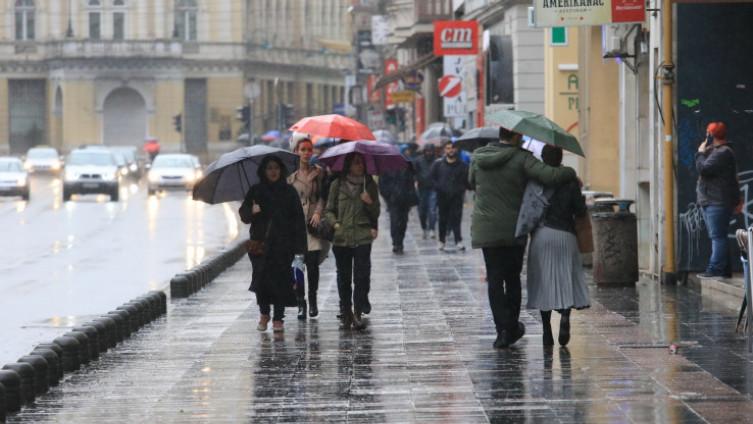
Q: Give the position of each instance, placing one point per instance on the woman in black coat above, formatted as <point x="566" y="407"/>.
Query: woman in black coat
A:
<point x="273" y="209"/>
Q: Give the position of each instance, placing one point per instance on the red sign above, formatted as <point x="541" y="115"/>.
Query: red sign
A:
<point x="390" y="66"/>
<point x="375" y="96"/>
<point x="628" y="11"/>
<point x="450" y="86"/>
<point x="455" y="37"/>
<point x="420" y="124"/>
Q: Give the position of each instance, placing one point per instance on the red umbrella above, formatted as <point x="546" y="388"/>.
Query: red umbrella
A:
<point x="335" y="126"/>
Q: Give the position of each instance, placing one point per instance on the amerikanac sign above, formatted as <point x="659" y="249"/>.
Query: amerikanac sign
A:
<point x="549" y="13"/>
<point x="455" y="38"/>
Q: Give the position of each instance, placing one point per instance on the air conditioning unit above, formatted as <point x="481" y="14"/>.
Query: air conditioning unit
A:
<point x="612" y="43"/>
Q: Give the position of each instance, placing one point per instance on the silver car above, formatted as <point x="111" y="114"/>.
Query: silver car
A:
<point x="173" y="171"/>
<point x="43" y="159"/>
<point x="14" y="181"/>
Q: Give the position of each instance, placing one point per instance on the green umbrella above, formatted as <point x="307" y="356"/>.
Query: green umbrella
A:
<point x="536" y="126"/>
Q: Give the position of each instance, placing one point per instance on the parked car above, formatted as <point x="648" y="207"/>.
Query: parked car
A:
<point x="173" y="171"/>
<point x="91" y="171"/>
<point x="14" y="180"/>
<point x="43" y="159"/>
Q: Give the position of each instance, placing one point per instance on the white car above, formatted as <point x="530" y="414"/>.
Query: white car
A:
<point x="14" y="181"/>
<point x="43" y="159"/>
<point x="89" y="171"/>
<point x="173" y="170"/>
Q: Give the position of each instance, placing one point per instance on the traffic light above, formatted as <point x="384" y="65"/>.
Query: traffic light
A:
<point x="285" y="116"/>
<point x="178" y="122"/>
<point x="243" y="114"/>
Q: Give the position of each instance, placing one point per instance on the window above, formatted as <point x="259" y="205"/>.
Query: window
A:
<point x="185" y="20"/>
<point x="559" y="36"/>
<point x="118" y="20"/>
<point x="24" y="20"/>
<point x="95" y="19"/>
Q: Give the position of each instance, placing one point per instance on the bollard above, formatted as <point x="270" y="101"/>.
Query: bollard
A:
<point x="103" y="335"/>
<point x="615" y="257"/>
<point x="162" y="298"/>
<point x="12" y="383"/>
<point x="70" y="359"/>
<point x="58" y="351"/>
<point x="54" y="370"/>
<point x="122" y="319"/>
<point x="26" y="388"/>
<point x="134" y="317"/>
<point x="111" y="330"/>
<point x="93" y="335"/>
<point x="41" y="372"/>
<point x="2" y="403"/>
<point x="83" y="349"/>
<point x="193" y="282"/>
<point x="179" y="286"/>
<point x="146" y="309"/>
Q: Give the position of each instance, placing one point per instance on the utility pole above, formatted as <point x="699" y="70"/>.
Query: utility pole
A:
<point x="669" y="271"/>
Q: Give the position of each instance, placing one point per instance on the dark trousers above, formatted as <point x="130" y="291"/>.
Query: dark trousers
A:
<point x="427" y="208"/>
<point x="265" y="308"/>
<point x="450" y="214"/>
<point x="503" y="266"/>
<point x="717" y="223"/>
<point x="398" y="223"/>
<point x="311" y="259"/>
<point x="353" y="267"/>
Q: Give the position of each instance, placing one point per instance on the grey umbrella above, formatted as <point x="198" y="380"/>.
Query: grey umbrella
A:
<point x="477" y="137"/>
<point x="229" y="177"/>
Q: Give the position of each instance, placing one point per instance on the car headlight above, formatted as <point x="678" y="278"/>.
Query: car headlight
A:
<point x="199" y="174"/>
<point x="70" y="175"/>
<point x="153" y="178"/>
<point x="55" y="166"/>
<point x="123" y="171"/>
<point x="21" y="181"/>
<point x="133" y="167"/>
<point x="108" y="176"/>
<point x="27" y="166"/>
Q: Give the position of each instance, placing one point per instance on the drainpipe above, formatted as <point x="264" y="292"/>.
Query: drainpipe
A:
<point x="669" y="271"/>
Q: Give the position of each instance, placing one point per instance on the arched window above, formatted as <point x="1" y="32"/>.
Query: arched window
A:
<point x="24" y="20"/>
<point x="119" y="20"/>
<point x="95" y="19"/>
<point x="186" y="20"/>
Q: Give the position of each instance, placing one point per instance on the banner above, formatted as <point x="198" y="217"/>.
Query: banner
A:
<point x="455" y="37"/>
<point x="550" y="13"/>
<point x="390" y="66"/>
<point x="451" y="87"/>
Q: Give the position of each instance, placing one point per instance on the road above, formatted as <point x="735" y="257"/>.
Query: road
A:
<point x="62" y="262"/>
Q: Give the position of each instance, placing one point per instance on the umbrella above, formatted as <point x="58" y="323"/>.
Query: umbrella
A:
<point x="325" y="142"/>
<point x="537" y="126"/>
<point x="270" y="135"/>
<point x="378" y="157"/>
<point x="436" y="134"/>
<point x="385" y="137"/>
<point x="477" y="137"/>
<point x="336" y="126"/>
<point x="229" y="177"/>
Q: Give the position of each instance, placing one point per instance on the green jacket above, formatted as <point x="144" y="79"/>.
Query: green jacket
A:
<point x="499" y="174"/>
<point x="356" y="219"/>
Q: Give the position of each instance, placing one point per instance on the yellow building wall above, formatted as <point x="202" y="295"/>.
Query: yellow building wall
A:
<point x="81" y="123"/>
<point x="168" y="102"/>
<point x="4" y="116"/>
<point x="224" y="95"/>
<point x="561" y="87"/>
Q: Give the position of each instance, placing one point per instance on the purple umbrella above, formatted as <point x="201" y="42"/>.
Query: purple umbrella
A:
<point x="378" y="157"/>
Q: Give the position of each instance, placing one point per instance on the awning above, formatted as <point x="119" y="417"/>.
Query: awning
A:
<point x="335" y="45"/>
<point x="420" y="63"/>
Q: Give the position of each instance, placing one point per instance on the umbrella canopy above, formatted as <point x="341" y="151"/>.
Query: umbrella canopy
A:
<point x="385" y="137"/>
<point x="436" y="134"/>
<point x="270" y="135"/>
<point x="229" y="177"/>
<point x="537" y="126"/>
<point x="336" y="126"/>
<point x="325" y="142"/>
<point x="378" y="157"/>
<point x="477" y="137"/>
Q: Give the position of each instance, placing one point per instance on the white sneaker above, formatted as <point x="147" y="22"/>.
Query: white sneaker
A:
<point x="460" y="246"/>
<point x="441" y="246"/>
<point x="432" y="235"/>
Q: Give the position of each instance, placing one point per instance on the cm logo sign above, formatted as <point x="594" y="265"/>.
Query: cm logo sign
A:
<point x="455" y="38"/>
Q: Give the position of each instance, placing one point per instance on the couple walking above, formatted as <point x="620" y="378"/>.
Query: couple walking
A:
<point x="499" y="174"/>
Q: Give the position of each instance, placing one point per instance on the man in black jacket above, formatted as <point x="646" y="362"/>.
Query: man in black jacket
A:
<point x="399" y="191"/>
<point x="718" y="192"/>
<point x="450" y="178"/>
<point x="427" y="197"/>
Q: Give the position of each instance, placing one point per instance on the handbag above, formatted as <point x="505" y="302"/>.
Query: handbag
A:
<point x="325" y="230"/>
<point x="259" y="247"/>
<point x="584" y="233"/>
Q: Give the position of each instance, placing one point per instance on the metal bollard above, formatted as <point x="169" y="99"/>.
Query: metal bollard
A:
<point x="179" y="286"/>
<point x="615" y="257"/>
<point x="12" y="383"/>
<point x="26" y="388"/>
<point x="134" y="316"/>
<point x="93" y="337"/>
<point x="54" y="370"/>
<point x="103" y="335"/>
<point x="2" y="403"/>
<point x="112" y="331"/>
<point x="41" y="372"/>
<point x="70" y="358"/>
<point x="83" y="349"/>
<point x="122" y="318"/>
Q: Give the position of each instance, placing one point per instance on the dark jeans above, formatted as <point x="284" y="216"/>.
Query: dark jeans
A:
<point x="717" y="223"/>
<point x="279" y="311"/>
<point x="353" y="266"/>
<point x="503" y="266"/>
<point x="427" y="208"/>
<point x="450" y="214"/>
<point x="311" y="259"/>
<point x="398" y="223"/>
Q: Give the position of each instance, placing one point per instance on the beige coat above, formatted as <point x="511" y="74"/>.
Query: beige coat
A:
<point x="308" y="187"/>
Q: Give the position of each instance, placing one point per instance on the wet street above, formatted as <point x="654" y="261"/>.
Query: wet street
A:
<point x="426" y="356"/>
<point x="61" y="262"/>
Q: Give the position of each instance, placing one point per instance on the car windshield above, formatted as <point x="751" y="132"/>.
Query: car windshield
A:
<point x="10" y="166"/>
<point x="42" y="154"/>
<point x="129" y="155"/>
<point x="172" y="162"/>
<point x="91" y="158"/>
<point x="119" y="158"/>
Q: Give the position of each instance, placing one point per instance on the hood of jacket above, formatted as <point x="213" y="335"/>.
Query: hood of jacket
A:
<point x="494" y="155"/>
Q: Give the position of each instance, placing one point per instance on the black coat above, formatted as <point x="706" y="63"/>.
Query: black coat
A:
<point x="717" y="177"/>
<point x="399" y="188"/>
<point x="423" y="172"/>
<point x="566" y="203"/>
<point x="281" y="224"/>
<point x="449" y="179"/>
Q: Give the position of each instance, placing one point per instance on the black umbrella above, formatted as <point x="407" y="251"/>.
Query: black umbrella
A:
<point x="477" y="137"/>
<point x="229" y="177"/>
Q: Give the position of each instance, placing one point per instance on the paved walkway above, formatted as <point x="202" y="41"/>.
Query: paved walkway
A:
<point x="426" y="357"/>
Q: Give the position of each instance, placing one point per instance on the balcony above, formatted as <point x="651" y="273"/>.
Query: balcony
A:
<point x="412" y="19"/>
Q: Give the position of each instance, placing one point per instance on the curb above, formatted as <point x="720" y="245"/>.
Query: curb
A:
<point x="33" y="374"/>
<point x="185" y="284"/>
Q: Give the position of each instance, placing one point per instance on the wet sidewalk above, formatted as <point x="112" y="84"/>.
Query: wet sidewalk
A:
<point x="426" y="356"/>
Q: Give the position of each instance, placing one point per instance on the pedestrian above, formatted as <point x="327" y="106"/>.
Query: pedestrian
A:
<point x="399" y="191"/>
<point x="499" y="173"/>
<point x="308" y="181"/>
<point x="353" y="207"/>
<point x="278" y="239"/>
<point x="151" y="148"/>
<point x="718" y="193"/>
<point x="449" y="177"/>
<point x="555" y="275"/>
<point x="427" y="196"/>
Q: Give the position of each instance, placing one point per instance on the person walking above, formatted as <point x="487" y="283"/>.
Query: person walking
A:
<point x="718" y="193"/>
<point x="353" y="207"/>
<point x="308" y="181"/>
<point x="555" y="275"/>
<point x="399" y="191"/>
<point x="499" y="173"/>
<point x="278" y="239"/>
<point x="427" y="196"/>
<point x="449" y="177"/>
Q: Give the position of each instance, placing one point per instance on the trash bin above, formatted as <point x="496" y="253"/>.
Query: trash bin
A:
<point x="591" y="197"/>
<point x="615" y="231"/>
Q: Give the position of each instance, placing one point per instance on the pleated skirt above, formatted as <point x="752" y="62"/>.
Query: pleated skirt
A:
<point x="555" y="272"/>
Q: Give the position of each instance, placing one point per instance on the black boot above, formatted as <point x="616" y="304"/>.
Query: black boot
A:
<point x="546" y="317"/>
<point x="564" y="337"/>
<point x="313" y="308"/>
<point x="302" y="308"/>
